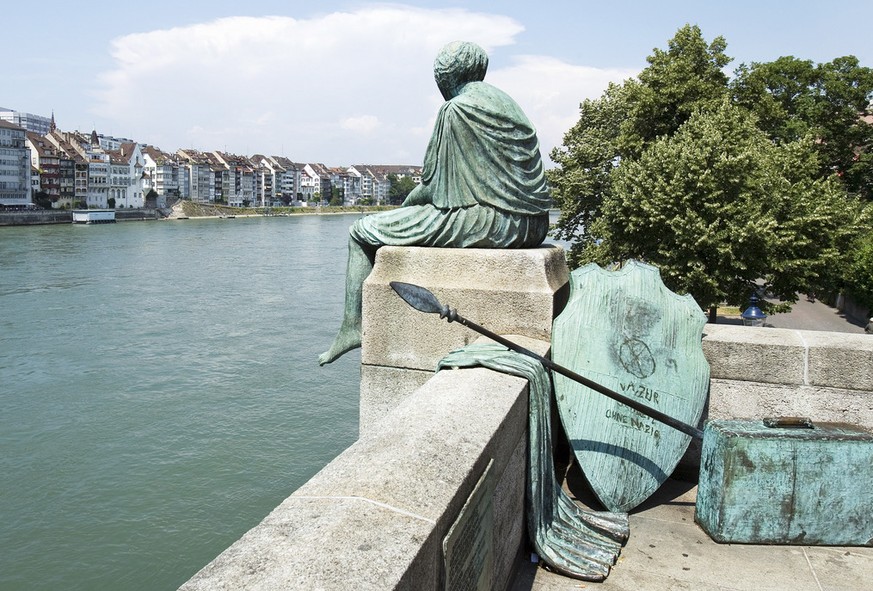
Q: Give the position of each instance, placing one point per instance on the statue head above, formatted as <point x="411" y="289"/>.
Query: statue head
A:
<point x="458" y="63"/>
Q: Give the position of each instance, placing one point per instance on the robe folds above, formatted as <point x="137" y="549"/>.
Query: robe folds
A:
<point x="483" y="183"/>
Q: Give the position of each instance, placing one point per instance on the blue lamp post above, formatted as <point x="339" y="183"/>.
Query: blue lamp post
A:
<point x="753" y="316"/>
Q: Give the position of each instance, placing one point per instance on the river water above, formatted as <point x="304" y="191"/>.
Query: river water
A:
<point x="159" y="391"/>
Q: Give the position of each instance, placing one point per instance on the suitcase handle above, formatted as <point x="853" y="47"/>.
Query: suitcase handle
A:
<point x="789" y="422"/>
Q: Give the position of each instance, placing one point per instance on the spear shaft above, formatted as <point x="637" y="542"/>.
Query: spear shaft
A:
<point x="424" y="301"/>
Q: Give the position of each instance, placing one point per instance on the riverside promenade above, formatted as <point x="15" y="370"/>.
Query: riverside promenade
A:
<point x="668" y="551"/>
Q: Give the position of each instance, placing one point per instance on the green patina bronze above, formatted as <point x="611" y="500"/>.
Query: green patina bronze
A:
<point x="786" y="484"/>
<point x="626" y="331"/>
<point x="483" y="184"/>
<point x="573" y="541"/>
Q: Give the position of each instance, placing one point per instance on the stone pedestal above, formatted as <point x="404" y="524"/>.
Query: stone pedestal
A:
<point x="510" y="292"/>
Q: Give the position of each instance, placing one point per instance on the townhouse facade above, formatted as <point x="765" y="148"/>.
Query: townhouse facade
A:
<point x="161" y="174"/>
<point x="127" y="180"/>
<point x="46" y="159"/>
<point x="74" y="169"/>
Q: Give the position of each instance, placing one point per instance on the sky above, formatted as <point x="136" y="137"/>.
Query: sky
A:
<point x="351" y="82"/>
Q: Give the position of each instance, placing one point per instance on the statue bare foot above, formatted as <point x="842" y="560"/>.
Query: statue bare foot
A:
<point x="347" y="339"/>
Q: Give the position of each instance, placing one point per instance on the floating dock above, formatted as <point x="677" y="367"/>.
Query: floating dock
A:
<point x="93" y="216"/>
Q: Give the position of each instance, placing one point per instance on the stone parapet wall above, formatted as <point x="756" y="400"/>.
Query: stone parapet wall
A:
<point x="758" y="372"/>
<point x="512" y="292"/>
<point x="376" y="517"/>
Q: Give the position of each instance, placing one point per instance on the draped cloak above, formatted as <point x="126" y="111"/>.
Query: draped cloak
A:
<point x="483" y="183"/>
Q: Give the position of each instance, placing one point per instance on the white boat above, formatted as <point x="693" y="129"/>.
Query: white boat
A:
<point x="93" y="216"/>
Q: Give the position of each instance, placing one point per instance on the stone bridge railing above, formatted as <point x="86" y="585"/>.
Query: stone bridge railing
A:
<point x="377" y="517"/>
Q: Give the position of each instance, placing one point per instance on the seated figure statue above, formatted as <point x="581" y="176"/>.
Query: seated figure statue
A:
<point x="483" y="184"/>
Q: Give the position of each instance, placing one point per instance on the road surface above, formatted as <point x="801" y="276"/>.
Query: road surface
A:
<point x="809" y="315"/>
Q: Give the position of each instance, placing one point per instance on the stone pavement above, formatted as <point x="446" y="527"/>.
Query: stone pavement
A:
<point x="667" y="551"/>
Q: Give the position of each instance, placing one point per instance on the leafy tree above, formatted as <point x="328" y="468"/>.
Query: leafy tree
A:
<point x="793" y="98"/>
<point x="673" y="169"/>
<point x="719" y="207"/>
<point x="42" y="199"/>
<point x="585" y="164"/>
<point x="625" y="120"/>
<point x="859" y="275"/>
<point x="399" y="189"/>
<point x="686" y="77"/>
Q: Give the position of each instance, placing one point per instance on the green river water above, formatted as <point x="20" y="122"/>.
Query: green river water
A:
<point x="159" y="391"/>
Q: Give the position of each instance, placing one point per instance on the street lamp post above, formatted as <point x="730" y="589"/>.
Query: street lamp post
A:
<point x="753" y="316"/>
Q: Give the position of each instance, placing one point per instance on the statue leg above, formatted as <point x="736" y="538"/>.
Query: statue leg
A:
<point x="361" y="260"/>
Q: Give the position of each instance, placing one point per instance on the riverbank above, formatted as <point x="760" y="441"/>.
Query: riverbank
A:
<point x="181" y="210"/>
<point x="189" y="209"/>
<point x="42" y="217"/>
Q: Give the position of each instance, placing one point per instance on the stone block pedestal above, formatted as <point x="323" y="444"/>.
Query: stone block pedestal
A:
<point x="511" y="292"/>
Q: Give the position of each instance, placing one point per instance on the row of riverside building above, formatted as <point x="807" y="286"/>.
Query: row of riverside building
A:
<point x="73" y="169"/>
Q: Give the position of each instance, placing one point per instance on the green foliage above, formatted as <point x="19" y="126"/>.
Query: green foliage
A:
<point x="720" y="185"/>
<point x="717" y="207"/>
<point x="794" y="98"/>
<point x="586" y="161"/>
<point x="400" y="188"/>
<point x="859" y="275"/>
<point x="686" y="77"/>
<point x="42" y="199"/>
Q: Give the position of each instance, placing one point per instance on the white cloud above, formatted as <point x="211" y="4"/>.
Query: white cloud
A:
<point x="364" y="124"/>
<point x="339" y="88"/>
<point x="550" y="91"/>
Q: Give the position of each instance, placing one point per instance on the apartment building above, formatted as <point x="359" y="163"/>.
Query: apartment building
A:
<point x="15" y="167"/>
<point x="200" y="178"/>
<point x="126" y="176"/>
<point x="373" y="181"/>
<point x="27" y="121"/>
<point x="161" y="174"/>
<point x="45" y="158"/>
<point x="238" y="184"/>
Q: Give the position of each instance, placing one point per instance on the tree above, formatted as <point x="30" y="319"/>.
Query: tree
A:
<point x="625" y="120"/>
<point x="859" y="275"/>
<point x="42" y="199"/>
<point x="793" y="98"/>
<point x="673" y="169"/>
<point x="718" y="207"/>
<point x="399" y="189"/>
<point x="686" y="77"/>
<point x="337" y="196"/>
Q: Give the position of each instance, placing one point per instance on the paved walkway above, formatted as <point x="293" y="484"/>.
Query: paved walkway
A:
<point x="668" y="551"/>
<point x="808" y="315"/>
